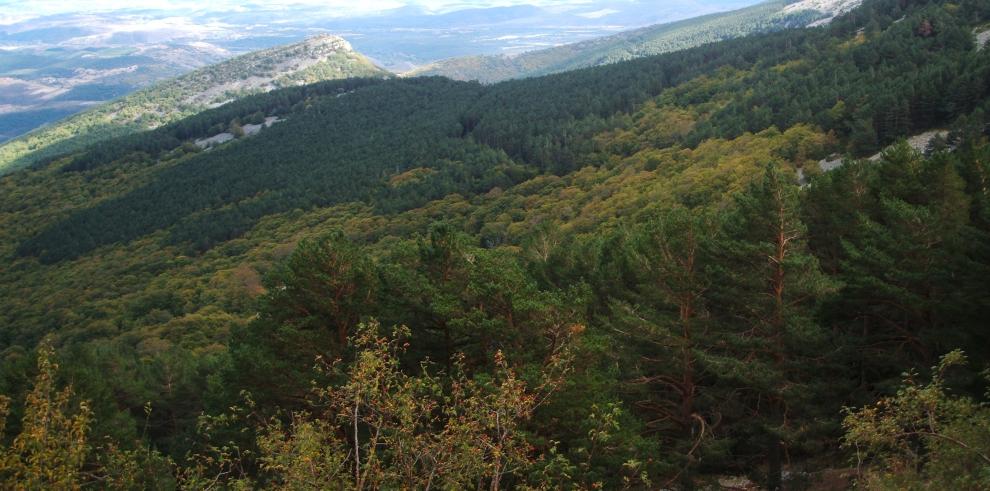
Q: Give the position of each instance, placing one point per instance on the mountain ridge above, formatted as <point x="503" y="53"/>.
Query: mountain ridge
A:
<point x="651" y="40"/>
<point x="321" y="57"/>
<point x="633" y="234"/>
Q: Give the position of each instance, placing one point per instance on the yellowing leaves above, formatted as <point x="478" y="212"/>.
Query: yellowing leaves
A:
<point x="856" y="40"/>
<point x="654" y="126"/>
<point x="50" y="450"/>
<point x="790" y="65"/>
<point x="410" y="176"/>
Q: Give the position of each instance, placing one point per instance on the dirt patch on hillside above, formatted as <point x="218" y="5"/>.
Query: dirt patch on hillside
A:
<point x="981" y="39"/>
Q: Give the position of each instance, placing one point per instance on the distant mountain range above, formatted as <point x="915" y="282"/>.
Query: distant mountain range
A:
<point x="319" y="58"/>
<point x="55" y="62"/>
<point x="652" y="40"/>
<point x="41" y="84"/>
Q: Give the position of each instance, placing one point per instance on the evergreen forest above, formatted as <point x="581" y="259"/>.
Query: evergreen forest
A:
<point x="732" y="263"/>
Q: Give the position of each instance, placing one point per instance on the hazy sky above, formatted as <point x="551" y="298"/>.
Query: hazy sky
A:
<point x="31" y="8"/>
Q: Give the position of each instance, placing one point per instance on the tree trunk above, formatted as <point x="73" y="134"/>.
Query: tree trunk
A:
<point x="774" y="471"/>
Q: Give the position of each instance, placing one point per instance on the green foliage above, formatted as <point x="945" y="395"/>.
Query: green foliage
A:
<point x="325" y="284"/>
<point x="765" y="289"/>
<point x="665" y="318"/>
<point x="902" y="236"/>
<point x="481" y="138"/>
<point x="51" y="448"/>
<point x="380" y="427"/>
<point x="313" y="302"/>
<point x="923" y="436"/>
<point x="410" y="431"/>
<point x="317" y="162"/>
<point x="632" y="237"/>
<point x="664" y="38"/>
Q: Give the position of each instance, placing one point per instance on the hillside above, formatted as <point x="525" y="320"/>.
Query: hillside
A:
<point x="41" y="83"/>
<point x="319" y="58"/>
<point x="600" y="279"/>
<point x="663" y="38"/>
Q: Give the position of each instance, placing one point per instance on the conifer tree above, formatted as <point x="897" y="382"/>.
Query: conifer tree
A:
<point x="902" y="262"/>
<point x="313" y="301"/>
<point x="765" y="289"/>
<point x="665" y="320"/>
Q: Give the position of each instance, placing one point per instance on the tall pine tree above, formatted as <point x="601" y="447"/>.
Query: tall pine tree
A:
<point x="766" y="286"/>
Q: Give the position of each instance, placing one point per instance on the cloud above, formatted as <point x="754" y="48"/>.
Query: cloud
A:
<point x="36" y="8"/>
<point x="598" y="13"/>
<point x="18" y="9"/>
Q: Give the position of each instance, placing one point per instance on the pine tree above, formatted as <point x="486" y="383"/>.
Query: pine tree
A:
<point x="765" y="289"/>
<point x="666" y="325"/>
<point x="313" y="302"/>
<point x="862" y="136"/>
<point x="903" y="261"/>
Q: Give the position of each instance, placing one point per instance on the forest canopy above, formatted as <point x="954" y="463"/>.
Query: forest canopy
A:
<point x="726" y="262"/>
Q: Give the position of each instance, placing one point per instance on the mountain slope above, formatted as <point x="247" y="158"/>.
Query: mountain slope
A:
<point x="42" y="83"/>
<point x="319" y="58"/>
<point x="641" y="218"/>
<point x="356" y="133"/>
<point x="663" y="38"/>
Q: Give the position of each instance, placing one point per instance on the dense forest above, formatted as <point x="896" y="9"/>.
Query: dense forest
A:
<point x="634" y="276"/>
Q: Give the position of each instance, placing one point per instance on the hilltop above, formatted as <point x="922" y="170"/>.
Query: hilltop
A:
<point x="662" y="38"/>
<point x="323" y="57"/>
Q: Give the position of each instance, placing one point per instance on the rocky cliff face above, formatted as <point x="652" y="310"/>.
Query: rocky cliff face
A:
<point x="829" y="9"/>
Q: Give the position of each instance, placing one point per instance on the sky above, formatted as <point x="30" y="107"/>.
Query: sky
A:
<point x="12" y="9"/>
